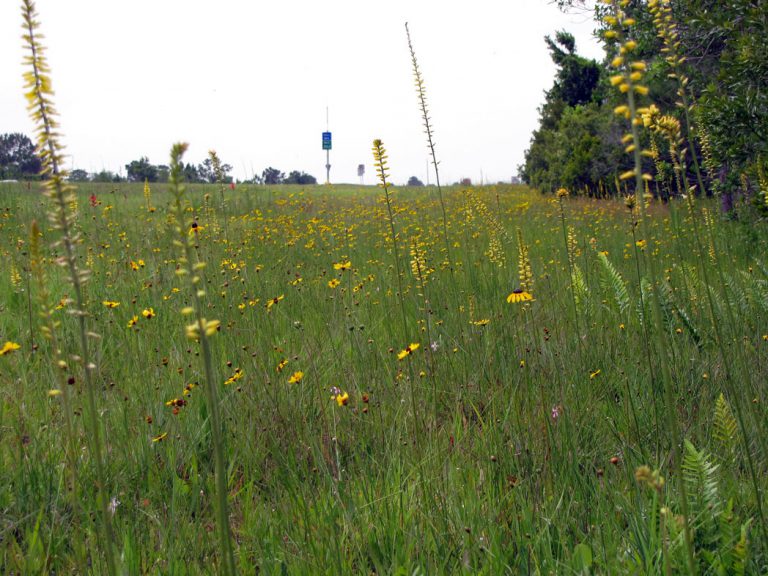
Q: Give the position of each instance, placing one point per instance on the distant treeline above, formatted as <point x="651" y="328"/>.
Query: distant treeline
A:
<point x="19" y="161"/>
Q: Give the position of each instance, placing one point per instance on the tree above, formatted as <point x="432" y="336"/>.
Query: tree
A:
<point x="413" y="181"/>
<point x="140" y="170"/>
<point x="78" y="175"/>
<point x="106" y="176"/>
<point x="17" y="157"/>
<point x="208" y="174"/>
<point x="272" y="176"/>
<point x="296" y="177"/>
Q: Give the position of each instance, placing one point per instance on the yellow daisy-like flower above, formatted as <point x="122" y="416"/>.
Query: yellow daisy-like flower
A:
<point x="9" y="347"/>
<point x="296" y="378"/>
<point x="235" y="377"/>
<point x="160" y="438"/>
<point x="148" y="313"/>
<point x="111" y="303"/>
<point x="274" y="301"/>
<point x="282" y="364"/>
<point x="482" y="322"/>
<point x="333" y="283"/>
<point x="519" y="295"/>
<point x="342" y="399"/>
<point x="408" y="350"/>
<point x="346" y="265"/>
<point x="133" y="321"/>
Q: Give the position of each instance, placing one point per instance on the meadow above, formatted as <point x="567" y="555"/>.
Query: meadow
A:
<point x="482" y="394"/>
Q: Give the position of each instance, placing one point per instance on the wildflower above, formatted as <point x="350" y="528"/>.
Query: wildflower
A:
<point x="345" y="265"/>
<point x="408" y="351"/>
<point x="555" y="413"/>
<point x="434" y="346"/>
<point x="111" y="303"/>
<point x="282" y="364"/>
<point x="235" y="377"/>
<point x="562" y="193"/>
<point x="296" y="377"/>
<point x="133" y="321"/>
<point x="113" y="504"/>
<point x="333" y="283"/>
<point x="148" y="313"/>
<point x="160" y="437"/>
<point x="519" y="295"/>
<point x="9" y="347"/>
<point x="53" y="392"/>
<point x="594" y="374"/>
<point x="482" y="322"/>
<point x="274" y="301"/>
<point x="342" y="399"/>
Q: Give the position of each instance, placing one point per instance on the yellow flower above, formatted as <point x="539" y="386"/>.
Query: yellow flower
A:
<point x="342" y="399"/>
<point x="594" y="374"/>
<point x="408" y="350"/>
<point x="133" y="321"/>
<point x="283" y="363"/>
<point x="148" y="313"/>
<point x="346" y="265"/>
<point x="296" y="378"/>
<point x="333" y="283"/>
<point x="9" y="347"/>
<point x="483" y="322"/>
<point x="519" y="295"/>
<point x="274" y="301"/>
<point x="111" y="303"/>
<point x="160" y="438"/>
<point x="235" y="377"/>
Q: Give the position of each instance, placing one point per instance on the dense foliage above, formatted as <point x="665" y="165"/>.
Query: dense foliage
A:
<point x="725" y="65"/>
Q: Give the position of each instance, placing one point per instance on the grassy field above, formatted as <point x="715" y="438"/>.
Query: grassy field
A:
<point x="380" y="425"/>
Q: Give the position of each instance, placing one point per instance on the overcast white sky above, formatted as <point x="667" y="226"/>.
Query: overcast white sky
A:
<point x="252" y="80"/>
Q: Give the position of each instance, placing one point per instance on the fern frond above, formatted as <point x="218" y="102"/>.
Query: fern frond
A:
<point x="705" y="505"/>
<point x="724" y="427"/>
<point x="611" y="280"/>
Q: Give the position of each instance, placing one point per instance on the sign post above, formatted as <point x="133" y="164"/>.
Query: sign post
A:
<point x="327" y="147"/>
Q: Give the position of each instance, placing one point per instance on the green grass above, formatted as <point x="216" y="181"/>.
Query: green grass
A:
<point x="505" y="448"/>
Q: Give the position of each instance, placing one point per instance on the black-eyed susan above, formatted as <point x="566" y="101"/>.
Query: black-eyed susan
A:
<point x="519" y="295"/>
<point x="342" y="399"/>
<point x="133" y="321"/>
<point x="237" y="375"/>
<point x="271" y="302"/>
<point x="296" y="377"/>
<point x="408" y="351"/>
<point x="481" y="322"/>
<point x="148" y="313"/>
<point x="344" y="265"/>
<point x="8" y="348"/>
<point x="160" y="437"/>
<point x="333" y="283"/>
<point x="282" y="364"/>
<point x="594" y="374"/>
<point x="110" y="303"/>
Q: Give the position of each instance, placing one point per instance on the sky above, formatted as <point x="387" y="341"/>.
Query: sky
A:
<point x="253" y="80"/>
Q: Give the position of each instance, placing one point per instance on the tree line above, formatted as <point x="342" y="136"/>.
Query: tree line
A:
<point x="707" y="73"/>
<point x="19" y="161"/>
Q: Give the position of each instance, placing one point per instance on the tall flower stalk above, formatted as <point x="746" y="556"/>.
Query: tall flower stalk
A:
<point x="428" y="130"/>
<point x="39" y="94"/>
<point x="201" y="331"/>
<point x="628" y="79"/>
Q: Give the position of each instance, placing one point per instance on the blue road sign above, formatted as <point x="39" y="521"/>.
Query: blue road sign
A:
<point x="326" y="140"/>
